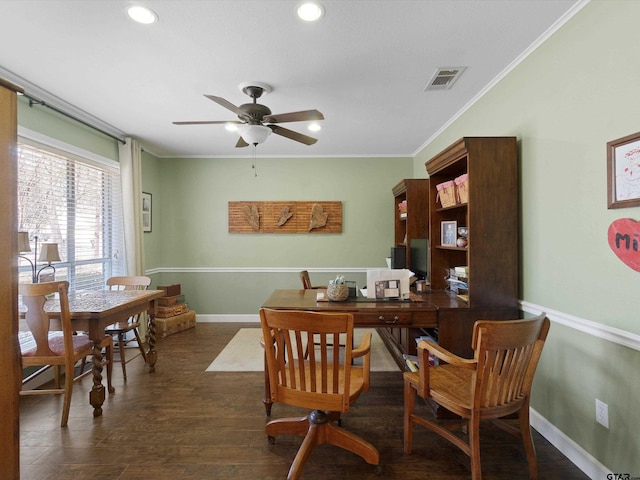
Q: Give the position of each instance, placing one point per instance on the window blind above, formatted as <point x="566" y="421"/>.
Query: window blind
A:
<point x="76" y="203"/>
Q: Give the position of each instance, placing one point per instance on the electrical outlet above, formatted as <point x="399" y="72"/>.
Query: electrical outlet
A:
<point x="602" y="413"/>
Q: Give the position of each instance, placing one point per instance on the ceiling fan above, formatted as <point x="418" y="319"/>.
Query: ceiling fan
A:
<point x="256" y="120"/>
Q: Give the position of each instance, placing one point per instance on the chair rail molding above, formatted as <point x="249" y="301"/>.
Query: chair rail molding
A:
<point x="590" y="327"/>
<point x="295" y="270"/>
<point x="599" y="330"/>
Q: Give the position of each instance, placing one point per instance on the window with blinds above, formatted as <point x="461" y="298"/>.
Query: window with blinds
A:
<point x="75" y="202"/>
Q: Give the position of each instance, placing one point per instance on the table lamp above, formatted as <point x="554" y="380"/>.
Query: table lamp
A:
<point x="48" y="253"/>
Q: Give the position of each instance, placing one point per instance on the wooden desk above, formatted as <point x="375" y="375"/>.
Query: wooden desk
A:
<point x="367" y="313"/>
<point x="433" y="309"/>
<point x="93" y="310"/>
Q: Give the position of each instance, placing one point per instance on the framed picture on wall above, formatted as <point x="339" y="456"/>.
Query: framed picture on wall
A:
<point x="146" y="212"/>
<point x="623" y="172"/>
<point x="448" y="233"/>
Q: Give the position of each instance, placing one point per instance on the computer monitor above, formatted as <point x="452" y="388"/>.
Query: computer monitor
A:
<point x="419" y="257"/>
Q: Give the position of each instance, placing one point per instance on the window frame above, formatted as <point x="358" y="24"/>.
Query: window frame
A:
<point x="111" y="237"/>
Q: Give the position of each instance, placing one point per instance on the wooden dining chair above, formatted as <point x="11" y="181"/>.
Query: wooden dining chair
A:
<point x="120" y="329"/>
<point x="492" y="385"/>
<point x="55" y="344"/>
<point x="323" y="382"/>
<point x="306" y="281"/>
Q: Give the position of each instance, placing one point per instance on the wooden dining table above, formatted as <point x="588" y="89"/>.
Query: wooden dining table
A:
<point x="93" y="310"/>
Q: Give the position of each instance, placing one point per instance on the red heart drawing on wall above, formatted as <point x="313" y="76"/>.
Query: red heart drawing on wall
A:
<point x="624" y="240"/>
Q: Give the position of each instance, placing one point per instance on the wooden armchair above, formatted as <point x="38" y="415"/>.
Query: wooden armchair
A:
<point x="494" y="384"/>
<point x="323" y="382"/>
<point x="120" y="329"/>
<point x="56" y="345"/>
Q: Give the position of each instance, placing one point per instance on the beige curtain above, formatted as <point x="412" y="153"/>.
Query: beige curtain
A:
<point x="130" y="155"/>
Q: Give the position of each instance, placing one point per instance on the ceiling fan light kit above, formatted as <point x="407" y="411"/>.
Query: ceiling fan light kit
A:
<point x="254" y="134"/>
<point x="253" y="116"/>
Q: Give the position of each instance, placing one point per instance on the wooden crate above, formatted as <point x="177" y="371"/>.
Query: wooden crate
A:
<point x="170" y="290"/>
<point x="171" y="311"/>
<point x="169" y="301"/>
<point x="171" y="325"/>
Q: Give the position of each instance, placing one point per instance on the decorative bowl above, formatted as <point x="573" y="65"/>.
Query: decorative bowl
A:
<point x="463" y="231"/>
<point x="337" y="292"/>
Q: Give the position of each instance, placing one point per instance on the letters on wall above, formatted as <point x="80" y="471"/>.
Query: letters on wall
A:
<point x="624" y="240"/>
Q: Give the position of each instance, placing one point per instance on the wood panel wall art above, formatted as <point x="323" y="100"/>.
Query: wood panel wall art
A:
<point x="285" y="217"/>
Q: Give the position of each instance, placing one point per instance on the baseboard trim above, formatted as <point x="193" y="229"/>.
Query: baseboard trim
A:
<point x="225" y="318"/>
<point x="570" y="449"/>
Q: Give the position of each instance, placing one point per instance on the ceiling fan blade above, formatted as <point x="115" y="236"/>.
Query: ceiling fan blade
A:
<point x="290" y="134"/>
<point x="208" y="122"/>
<point x="301" y="116"/>
<point x="241" y="143"/>
<point x="226" y="104"/>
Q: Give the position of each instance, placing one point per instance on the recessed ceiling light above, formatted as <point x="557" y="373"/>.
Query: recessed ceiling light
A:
<point x="142" y="14"/>
<point x="314" y="127"/>
<point x="309" y="11"/>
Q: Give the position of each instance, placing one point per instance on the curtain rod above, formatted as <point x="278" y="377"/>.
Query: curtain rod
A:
<point x="36" y="101"/>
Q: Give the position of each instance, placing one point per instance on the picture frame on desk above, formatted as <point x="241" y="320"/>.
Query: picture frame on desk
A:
<point x="448" y="233"/>
<point x="623" y="172"/>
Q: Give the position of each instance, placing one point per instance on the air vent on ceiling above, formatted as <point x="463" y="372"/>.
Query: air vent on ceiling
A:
<point x="444" y="78"/>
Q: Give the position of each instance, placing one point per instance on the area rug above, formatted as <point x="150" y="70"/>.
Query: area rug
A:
<point x="244" y="354"/>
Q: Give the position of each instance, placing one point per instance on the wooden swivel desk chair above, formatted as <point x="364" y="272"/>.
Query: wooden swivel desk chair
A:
<point x="494" y="384"/>
<point x="132" y="323"/>
<point x="321" y="382"/>
<point x="51" y="349"/>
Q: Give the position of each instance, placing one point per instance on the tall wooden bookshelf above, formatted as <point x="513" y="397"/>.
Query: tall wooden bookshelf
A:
<point x="414" y="223"/>
<point x="490" y="214"/>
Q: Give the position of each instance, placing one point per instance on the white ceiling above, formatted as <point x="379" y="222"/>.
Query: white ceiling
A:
<point x="364" y="66"/>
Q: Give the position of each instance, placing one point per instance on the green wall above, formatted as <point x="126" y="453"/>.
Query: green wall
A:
<point x="47" y="122"/>
<point x="571" y="96"/>
<point x="225" y="273"/>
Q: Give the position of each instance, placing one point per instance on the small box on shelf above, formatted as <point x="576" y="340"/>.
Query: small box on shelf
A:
<point x="462" y="187"/>
<point x="447" y="193"/>
<point x="402" y="210"/>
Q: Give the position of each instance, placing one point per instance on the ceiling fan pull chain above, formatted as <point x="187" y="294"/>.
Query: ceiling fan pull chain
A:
<point x="253" y="165"/>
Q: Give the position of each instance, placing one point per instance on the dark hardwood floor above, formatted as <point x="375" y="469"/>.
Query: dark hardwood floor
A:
<point x="181" y="422"/>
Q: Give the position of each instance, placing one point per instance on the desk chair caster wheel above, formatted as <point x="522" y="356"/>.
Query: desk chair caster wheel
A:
<point x="272" y="439"/>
